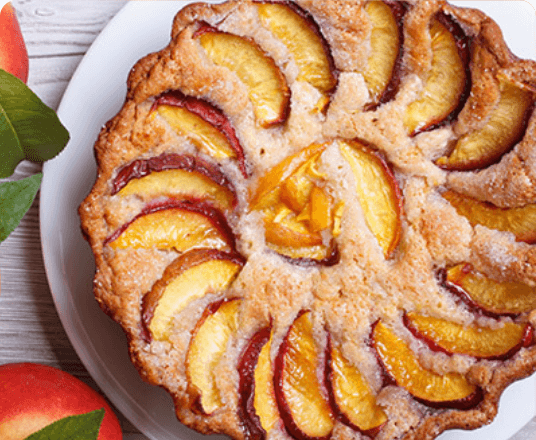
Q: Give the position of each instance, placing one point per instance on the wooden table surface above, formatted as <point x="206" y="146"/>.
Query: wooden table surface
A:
<point x="57" y="33"/>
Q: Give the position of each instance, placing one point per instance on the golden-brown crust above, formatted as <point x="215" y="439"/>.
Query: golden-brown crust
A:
<point x="433" y="236"/>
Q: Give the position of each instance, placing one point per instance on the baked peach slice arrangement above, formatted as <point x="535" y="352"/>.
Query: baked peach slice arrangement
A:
<point x="306" y="389"/>
<point x="297" y="208"/>
<point x="191" y="276"/>
<point x="378" y="193"/>
<point x="487" y="295"/>
<point x="451" y="390"/>
<point x="447" y="86"/>
<point x="176" y="176"/>
<point x="308" y="395"/>
<point x="521" y="222"/>
<point x="267" y="87"/>
<point x="300" y="33"/>
<point x="203" y="124"/>
<point x="505" y="128"/>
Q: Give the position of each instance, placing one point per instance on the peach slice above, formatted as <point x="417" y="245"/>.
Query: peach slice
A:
<point x="295" y="239"/>
<point x="451" y="390"/>
<point x="267" y="87"/>
<point x="179" y="176"/>
<point x="210" y="338"/>
<point x="381" y="75"/>
<point x="271" y="182"/>
<point x="505" y="128"/>
<point x="448" y="83"/>
<point x="191" y="276"/>
<point x="300" y="33"/>
<point x="519" y="221"/>
<point x="296" y="191"/>
<point x="307" y="256"/>
<point x="351" y="398"/>
<point x="491" y="297"/>
<point x="257" y="404"/>
<point x="480" y="342"/>
<point x="302" y="401"/>
<point x="203" y="124"/>
<point x="291" y="233"/>
<point x="180" y="225"/>
<point x="378" y="193"/>
<point x="320" y="210"/>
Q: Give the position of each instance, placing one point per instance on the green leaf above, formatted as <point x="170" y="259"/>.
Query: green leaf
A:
<point x="15" y="200"/>
<point x="80" y="427"/>
<point x="28" y="128"/>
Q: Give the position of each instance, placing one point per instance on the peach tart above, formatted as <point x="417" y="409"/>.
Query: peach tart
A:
<point x="317" y="219"/>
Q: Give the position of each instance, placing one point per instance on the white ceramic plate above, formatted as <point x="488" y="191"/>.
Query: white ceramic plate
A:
<point x="95" y="94"/>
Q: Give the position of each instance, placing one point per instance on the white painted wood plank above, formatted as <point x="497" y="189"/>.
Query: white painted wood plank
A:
<point x="50" y="76"/>
<point x="63" y="27"/>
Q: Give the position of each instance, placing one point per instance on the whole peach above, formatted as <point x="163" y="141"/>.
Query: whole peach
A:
<point x="13" y="53"/>
<point x="33" y="396"/>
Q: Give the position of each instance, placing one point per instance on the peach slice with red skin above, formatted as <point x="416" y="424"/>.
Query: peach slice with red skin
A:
<point x="378" y="192"/>
<point x="382" y="74"/>
<point x="267" y="87"/>
<point x="449" y="82"/>
<point x="175" y="224"/>
<point x="505" y="128"/>
<point x="519" y="221"/>
<point x="480" y="342"/>
<point x="191" y="276"/>
<point x="300" y="33"/>
<point x="208" y="345"/>
<point x="203" y="123"/>
<point x="257" y="405"/>
<point x="351" y="398"/>
<point x="488" y="296"/>
<point x="450" y="390"/>
<point x="179" y="176"/>
<point x="300" y="394"/>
